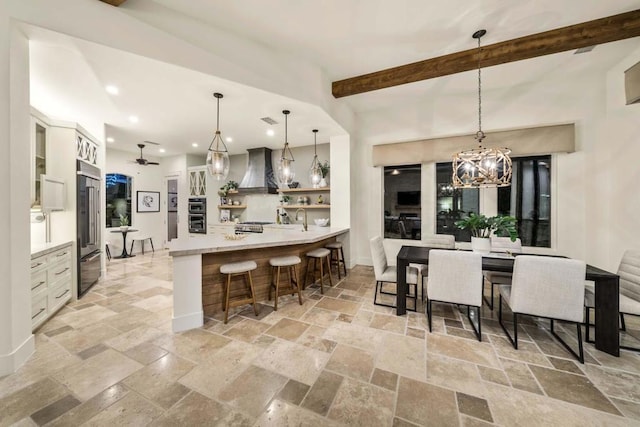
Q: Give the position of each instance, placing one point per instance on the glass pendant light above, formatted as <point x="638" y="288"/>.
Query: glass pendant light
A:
<point x="218" y="155"/>
<point x="481" y="167"/>
<point x="285" y="166"/>
<point x="315" y="173"/>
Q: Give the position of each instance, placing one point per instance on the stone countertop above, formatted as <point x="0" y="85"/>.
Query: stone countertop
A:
<point x="46" y="248"/>
<point x="272" y="236"/>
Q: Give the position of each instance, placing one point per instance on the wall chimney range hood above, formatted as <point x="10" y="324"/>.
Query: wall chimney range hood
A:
<point x="259" y="178"/>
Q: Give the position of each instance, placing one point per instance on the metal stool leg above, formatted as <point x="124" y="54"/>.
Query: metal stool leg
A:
<point x="151" y="241"/>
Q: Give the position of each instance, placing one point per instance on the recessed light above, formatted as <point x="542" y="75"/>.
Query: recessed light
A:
<point x="229" y="139"/>
<point x="195" y="144"/>
<point x="271" y="132"/>
<point x="109" y="139"/>
<point x="133" y="119"/>
<point x="113" y="90"/>
<point x="162" y="150"/>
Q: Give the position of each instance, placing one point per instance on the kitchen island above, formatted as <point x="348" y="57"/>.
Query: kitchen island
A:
<point x="197" y="282"/>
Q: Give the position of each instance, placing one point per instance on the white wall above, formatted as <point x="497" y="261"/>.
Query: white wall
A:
<point x="145" y="178"/>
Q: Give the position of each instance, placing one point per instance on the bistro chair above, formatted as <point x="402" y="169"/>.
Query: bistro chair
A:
<point x="502" y="245"/>
<point x="629" y="272"/>
<point x="547" y="287"/>
<point x="386" y="273"/>
<point x="455" y="277"/>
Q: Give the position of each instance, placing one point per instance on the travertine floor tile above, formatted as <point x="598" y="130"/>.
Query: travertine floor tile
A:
<point x="402" y="355"/>
<point x="420" y="403"/>
<point x="252" y="390"/>
<point x="288" y="329"/>
<point x="293" y="392"/>
<point x="293" y="360"/>
<point x="281" y="413"/>
<point x="24" y="402"/>
<point x="480" y="353"/>
<point x="322" y="393"/>
<point x="454" y="374"/>
<point x="132" y="409"/>
<point x="247" y="330"/>
<point x="351" y="362"/>
<point x="198" y="410"/>
<point x="362" y="404"/>
<point x="91" y="407"/>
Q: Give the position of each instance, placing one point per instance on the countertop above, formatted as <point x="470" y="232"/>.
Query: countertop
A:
<point x="47" y="248"/>
<point x="283" y="235"/>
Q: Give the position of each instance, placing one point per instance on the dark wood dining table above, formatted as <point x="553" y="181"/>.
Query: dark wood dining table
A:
<point x="606" y="288"/>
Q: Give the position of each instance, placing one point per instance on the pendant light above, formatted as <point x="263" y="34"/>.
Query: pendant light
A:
<point x="315" y="173"/>
<point x="285" y="166"/>
<point x="481" y="167"/>
<point x="218" y="155"/>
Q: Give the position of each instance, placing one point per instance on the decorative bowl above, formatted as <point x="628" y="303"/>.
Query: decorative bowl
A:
<point x="321" y="222"/>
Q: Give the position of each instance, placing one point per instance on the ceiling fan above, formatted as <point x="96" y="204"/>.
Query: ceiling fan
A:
<point x="142" y="161"/>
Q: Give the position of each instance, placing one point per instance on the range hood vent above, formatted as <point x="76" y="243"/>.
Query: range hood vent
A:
<point x="259" y="178"/>
<point x="632" y="84"/>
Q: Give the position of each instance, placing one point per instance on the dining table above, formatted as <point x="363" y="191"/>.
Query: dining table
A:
<point x="607" y="288"/>
<point x="124" y="232"/>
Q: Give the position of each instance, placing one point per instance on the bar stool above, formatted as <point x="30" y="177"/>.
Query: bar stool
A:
<point x="290" y="263"/>
<point x="320" y="254"/>
<point x="336" y="249"/>
<point x="239" y="268"/>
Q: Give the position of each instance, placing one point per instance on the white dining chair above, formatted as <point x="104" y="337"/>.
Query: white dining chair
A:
<point x="547" y="287"/>
<point x="438" y="241"/>
<point x="386" y="273"/>
<point x="501" y="245"/>
<point x="629" y="301"/>
<point x="455" y="277"/>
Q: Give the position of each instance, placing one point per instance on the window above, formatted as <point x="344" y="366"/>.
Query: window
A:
<point x="453" y="204"/>
<point x="402" y="206"/>
<point x="118" y="195"/>
<point x="529" y="199"/>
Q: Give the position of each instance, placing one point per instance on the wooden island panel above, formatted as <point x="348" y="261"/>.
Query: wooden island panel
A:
<point x="213" y="282"/>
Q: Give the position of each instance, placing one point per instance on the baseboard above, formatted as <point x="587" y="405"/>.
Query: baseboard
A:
<point x="188" y="321"/>
<point x="9" y="363"/>
<point x="364" y="261"/>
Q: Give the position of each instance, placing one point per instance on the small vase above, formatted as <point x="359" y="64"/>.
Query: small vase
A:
<point x="124" y="228"/>
<point x="481" y="245"/>
<point x="323" y="183"/>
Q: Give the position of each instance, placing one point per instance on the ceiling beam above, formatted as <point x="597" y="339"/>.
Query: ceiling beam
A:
<point x="115" y="3"/>
<point x="604" y="30"/>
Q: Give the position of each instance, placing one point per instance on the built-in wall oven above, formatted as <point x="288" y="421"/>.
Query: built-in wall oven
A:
<point x="198" y="215"/>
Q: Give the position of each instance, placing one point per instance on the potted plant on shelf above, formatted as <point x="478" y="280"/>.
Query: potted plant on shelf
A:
<point x="482" y="227"/>
<point x="324" y="169"/>
<point x="285" y="199"/>
<point x="124" y="222"/>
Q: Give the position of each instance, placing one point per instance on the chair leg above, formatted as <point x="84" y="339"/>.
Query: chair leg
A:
<point x="477" y="331"/>
<point x="514" y="340"/>
<point x="329" y="271"/>
<point x="295" y="273"/>
<point x="579" y="356"/>
<point x="108" y="251"/>
<point x="152" y="248"/>
<point x="142" y="244"/>
<point x="270" y="280"/>
<point x="623" y="327"/>
<point x="321" y="276"/>
<point x="131" y="250"/>
<point x="344" y="263"/>
<point x="488" y="301"/>
<point x="275" y="307"/>
<point x="587" y="326"/>
<point x="226" y="304"/>
<point x="253" y="294"/>
<point x="290" y="280"/>
<point x="429" y="311"/>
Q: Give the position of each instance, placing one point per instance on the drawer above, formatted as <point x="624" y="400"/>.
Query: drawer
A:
<point x="62" y="255"/>
<point x="58" y="272"/>
<point x="38" y="264"/>
<point x="39" y="309"/>
<point x="59" y="295"/>
<point x="38" y="282"/>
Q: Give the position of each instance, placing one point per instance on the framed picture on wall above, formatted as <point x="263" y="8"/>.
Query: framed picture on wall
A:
<point x="148" y="201"/>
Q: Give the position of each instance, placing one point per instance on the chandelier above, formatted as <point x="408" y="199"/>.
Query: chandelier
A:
<point x="285" y="166"/>
<point x="315" y="172"/>
<point x="481" y="167"/>
<point x="218" y="157"/>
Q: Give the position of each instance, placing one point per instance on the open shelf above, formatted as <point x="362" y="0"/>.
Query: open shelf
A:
<point x="304" y="190"/>
<point x="232" y="206"/>
<point x="305" y="206"/>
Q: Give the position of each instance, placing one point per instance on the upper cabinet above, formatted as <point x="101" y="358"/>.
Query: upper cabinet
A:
<point x="39" y="159"/>
<point x="198" y="181"/>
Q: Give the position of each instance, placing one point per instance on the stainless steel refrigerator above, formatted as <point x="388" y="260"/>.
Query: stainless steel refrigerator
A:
<point x="89" y="226"/>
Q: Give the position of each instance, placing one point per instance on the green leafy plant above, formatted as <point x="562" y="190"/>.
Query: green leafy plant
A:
<point x="124" y="220"/>
<point x="224" y="190"/>
<point x="324" y="168"/>
<point x="482" y="226"/>
<point x="285" y="198"/>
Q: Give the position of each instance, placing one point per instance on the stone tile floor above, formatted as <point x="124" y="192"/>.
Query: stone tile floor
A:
<point x="111" y="359"/>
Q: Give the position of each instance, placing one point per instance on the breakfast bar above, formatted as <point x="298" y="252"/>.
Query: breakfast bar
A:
<point x="197" y="280"/>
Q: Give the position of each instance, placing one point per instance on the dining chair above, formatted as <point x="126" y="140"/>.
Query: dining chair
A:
<point x="547" y="287"/>
<point x="502" y="245"/>
<point x="438" y="241"/>
<point x="455" y="277"/>
<point x="386" y="273"/>
<point x="629" y="302"/>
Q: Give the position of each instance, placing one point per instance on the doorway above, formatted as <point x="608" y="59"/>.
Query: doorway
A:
<point x="172" y="208"/>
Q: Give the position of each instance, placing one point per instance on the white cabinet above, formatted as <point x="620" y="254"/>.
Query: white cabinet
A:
<point x="197" y="182"/>
<point x="51" y="282"/>
<point x="39" y="159"/>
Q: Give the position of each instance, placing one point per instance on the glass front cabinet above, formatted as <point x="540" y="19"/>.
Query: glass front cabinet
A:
<point x="39" y="160"/>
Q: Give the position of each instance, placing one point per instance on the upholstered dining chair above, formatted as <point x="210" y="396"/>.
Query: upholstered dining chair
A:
<point x="502" y="245"/>
<point x="629" y="272"/>
<point x="386" y="273"/>
<point x="455" y="277"/>
<point x="439" y="241"/>
<point x="548" y="287"/>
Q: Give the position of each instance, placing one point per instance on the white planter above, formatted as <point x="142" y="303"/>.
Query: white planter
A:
<point x="481" y="245"/>
<point x="323" y="183"/>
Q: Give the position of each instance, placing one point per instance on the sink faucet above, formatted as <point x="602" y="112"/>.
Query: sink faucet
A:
<point x="304" y="224"/>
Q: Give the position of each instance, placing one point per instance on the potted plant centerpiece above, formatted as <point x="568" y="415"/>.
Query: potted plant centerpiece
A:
<point x="124" y="222"/>
<point x="482" y="227"/>
<point x="324" y="169"/>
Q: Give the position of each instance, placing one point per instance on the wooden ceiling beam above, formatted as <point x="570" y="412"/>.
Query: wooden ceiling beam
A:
<point x="599" y="31"/>
<point x="115" y="3"/>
